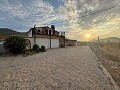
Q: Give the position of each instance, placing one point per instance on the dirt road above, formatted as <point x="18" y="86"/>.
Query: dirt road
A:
<point x="73" y="68"/>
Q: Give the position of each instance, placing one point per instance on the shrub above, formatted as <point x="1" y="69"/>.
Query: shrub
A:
<point x="15" y="44"/>
<point x="36" y="48"/>
<point x="42" y="48"/>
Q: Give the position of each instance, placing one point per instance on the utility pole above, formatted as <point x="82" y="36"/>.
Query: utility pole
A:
<point x="34" y="35"/>
<point x="99" y="51"/>
<point x="50" y="38"/>
<point x="64" y="39"/>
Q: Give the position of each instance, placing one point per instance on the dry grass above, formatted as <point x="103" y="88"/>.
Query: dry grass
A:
<point x="111" y="61"/>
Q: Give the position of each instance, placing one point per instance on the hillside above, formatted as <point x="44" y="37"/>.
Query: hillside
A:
<point x="110" y="39"/>
<point x="8" y="32"/>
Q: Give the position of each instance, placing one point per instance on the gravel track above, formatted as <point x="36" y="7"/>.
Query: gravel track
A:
<point x="72" y="68"/>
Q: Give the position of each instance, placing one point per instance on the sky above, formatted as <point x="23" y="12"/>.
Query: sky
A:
<point x="66" y="15"/>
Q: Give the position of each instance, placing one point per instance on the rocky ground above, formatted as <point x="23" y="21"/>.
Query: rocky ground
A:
<point x="113" y="68"/>
<point x="111" y="61"/>
<point x="73" y="68"/>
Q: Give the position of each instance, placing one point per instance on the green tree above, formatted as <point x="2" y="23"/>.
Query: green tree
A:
<point x="15" y="44"/>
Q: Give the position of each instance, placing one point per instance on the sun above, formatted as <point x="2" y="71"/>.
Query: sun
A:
<point x="87" y="35"/>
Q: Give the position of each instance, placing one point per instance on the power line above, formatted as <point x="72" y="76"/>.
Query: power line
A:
<point x="109" y="33"/>
<point x="93" y="13"/>
<point x="100" y="11"/>
<point x="106" y="35"/>
<point x="87" y="14"/>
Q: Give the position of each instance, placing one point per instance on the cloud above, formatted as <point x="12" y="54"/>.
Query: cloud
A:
<point x="23" y="14"/>
<point x="99" y="23"/>
<point x="27" y="12"/>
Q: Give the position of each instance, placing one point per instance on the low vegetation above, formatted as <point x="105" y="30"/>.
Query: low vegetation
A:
<point x="15" y="44"/>
<point x="36" y="48"/>
<point x="42" y="49"/>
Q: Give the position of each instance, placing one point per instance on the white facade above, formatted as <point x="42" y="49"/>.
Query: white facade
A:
<point x="45" y="39"/>
<point x="45" y="42"/>
<point x="30" y="33"/>
<point x="54" y="43"/>
<point x="2" y="47"/>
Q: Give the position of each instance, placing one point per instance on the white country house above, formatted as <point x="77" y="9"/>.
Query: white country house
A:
<point x="46" y="36"/>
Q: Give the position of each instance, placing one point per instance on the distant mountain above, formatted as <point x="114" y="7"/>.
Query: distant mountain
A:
<point x="8" y="32"/>
<point x="110" y="39"/>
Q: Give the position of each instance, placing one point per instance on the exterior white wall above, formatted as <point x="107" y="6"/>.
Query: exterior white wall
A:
<point x="75" y="43"/>
<point x="71" y="42"/>
<point x="45" y="42"/>
<point x="54" y="43"/>
<point x="31" y="41"/>
<point x="30" y="33"/>
<point x="2" y="47"/>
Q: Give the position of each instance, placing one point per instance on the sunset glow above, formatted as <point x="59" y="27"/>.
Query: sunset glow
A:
<point x="87" y="35"/>
<point x="78" y="18"/>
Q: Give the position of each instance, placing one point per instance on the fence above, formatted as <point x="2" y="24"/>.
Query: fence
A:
<point x="107" y="45"/>
<point x="107" y="49"/>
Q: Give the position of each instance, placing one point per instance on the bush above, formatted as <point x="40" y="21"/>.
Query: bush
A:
<point x="36" y="48"/>
<point x="15" y="44"/>
<point x="42" y="48"/>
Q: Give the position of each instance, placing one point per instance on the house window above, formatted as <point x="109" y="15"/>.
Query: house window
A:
<point x="42" y="32"/>
<point x="38" y="30"/>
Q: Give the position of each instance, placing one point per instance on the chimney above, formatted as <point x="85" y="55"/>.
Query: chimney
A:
<point x="53" y="29"/>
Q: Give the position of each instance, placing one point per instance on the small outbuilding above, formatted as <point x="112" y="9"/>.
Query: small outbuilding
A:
<point x="70" y="42"/>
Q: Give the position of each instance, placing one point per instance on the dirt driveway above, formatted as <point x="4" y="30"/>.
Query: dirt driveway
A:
<point x="73" y="68"/>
